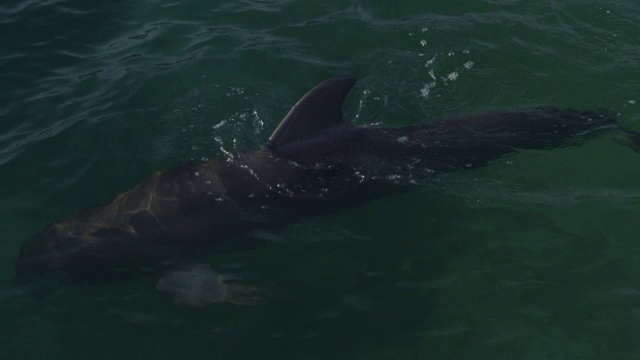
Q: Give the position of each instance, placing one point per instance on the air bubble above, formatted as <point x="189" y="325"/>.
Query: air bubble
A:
<point x="426" y="89"/>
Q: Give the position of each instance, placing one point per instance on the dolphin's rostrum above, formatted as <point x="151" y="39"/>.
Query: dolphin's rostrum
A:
<point x="314" y="161"/>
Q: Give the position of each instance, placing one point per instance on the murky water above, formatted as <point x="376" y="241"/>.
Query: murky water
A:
<point x="532" y="257"/>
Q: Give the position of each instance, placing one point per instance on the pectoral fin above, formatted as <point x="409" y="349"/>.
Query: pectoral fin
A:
<point x="199" y="285"/>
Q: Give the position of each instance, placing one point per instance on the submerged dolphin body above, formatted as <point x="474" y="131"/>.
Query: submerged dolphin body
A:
<point x="315" y="161"/>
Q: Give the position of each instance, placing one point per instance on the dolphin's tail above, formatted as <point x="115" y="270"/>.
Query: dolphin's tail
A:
<point x="599" y="123"/>
<point x="634" y="139"/>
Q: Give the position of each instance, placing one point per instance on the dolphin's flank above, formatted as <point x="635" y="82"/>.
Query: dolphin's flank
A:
<point x="314" y="162"/>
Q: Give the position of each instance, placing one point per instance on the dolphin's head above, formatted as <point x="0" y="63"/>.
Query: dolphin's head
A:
<point x="43" y="253"/>
<point x="55" y="248"/>
<point x="86" y="253"/>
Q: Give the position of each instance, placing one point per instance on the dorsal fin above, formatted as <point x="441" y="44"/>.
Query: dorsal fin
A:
<point x="318" y="109"/>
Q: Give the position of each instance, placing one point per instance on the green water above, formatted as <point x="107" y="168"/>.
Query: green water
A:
<point x="536" y="256"/>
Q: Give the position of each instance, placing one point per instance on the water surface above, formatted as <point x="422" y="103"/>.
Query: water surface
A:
<point x="532" y="257"/>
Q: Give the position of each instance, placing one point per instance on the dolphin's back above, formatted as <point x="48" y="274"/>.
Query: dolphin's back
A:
<point x="449" y="143"/>
<point x="474" y="140"/>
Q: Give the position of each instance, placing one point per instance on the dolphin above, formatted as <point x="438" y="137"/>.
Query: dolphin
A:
<point x="314" y="162"/>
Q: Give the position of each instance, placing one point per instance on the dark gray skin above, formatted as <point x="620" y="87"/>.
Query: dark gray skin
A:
<point x="314" y="162"/>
